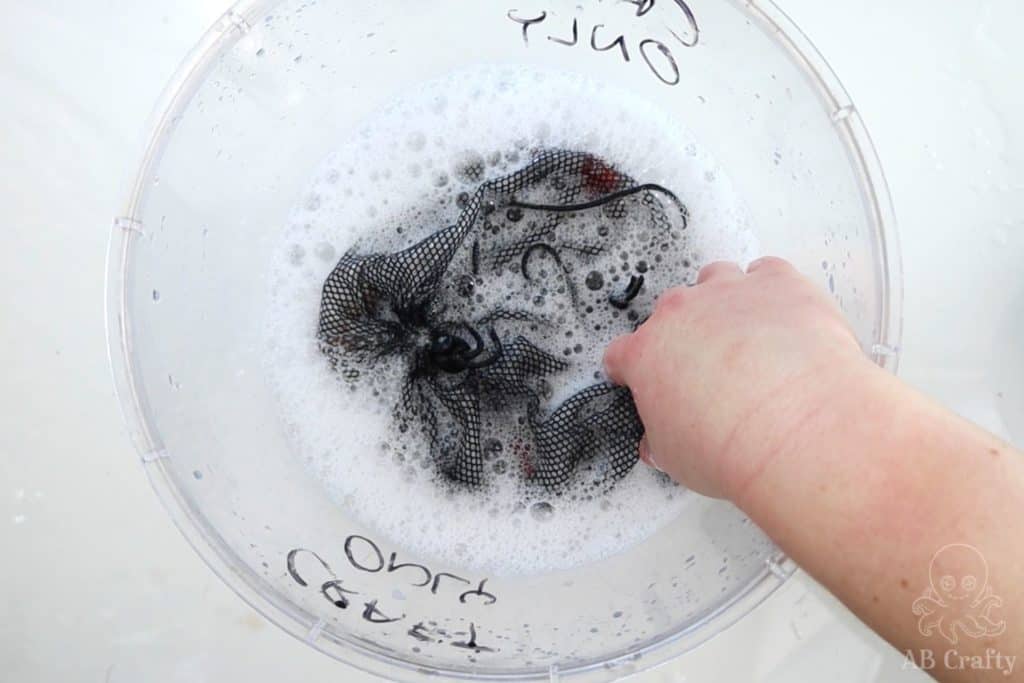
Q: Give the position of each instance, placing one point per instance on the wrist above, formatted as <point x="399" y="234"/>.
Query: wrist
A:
<point x="795" y="423"/>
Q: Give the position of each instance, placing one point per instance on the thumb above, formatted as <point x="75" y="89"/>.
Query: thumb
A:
<point x="617" y="360"/>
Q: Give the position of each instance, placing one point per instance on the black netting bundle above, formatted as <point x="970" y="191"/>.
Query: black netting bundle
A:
<point x="478" y="377"/>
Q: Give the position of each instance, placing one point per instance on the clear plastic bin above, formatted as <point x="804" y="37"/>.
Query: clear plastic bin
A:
<point x="241" y="131"/>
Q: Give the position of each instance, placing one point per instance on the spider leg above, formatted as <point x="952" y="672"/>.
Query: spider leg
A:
<point x="622" y="301"/>
<point x="541" y="167"/>
<point x="601" y="201"/>
<point x="540" y="246"/>
<point x="477" y="339"/>
<point x="543" y="246"/>
<point x="496" y="355"/>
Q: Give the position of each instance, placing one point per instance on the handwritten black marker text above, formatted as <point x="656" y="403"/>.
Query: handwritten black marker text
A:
<point x="656" y="54"/>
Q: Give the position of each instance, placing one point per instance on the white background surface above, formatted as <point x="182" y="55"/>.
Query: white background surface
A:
<point x="97" y="585"/>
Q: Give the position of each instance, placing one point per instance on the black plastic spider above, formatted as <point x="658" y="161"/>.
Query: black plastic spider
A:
<point x="470" y="366"/>
<point x="450" y="353"/>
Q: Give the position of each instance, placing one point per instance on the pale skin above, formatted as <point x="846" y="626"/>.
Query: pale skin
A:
<point x="753" y="388"/>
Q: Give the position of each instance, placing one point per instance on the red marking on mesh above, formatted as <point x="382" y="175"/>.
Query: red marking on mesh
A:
<point x="599" y="177"/>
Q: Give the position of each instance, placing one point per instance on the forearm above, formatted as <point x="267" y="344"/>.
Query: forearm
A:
<point x="866" y="493"/>
<point x="753" y="387"/>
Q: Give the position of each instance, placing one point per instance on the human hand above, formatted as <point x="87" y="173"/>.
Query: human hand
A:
<point x="725" y="373"/>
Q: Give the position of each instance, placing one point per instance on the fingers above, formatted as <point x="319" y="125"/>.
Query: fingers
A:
<point x="619" y="357"/>
<point x="769" y="263"/>
<point x="728" y="270"/>
<point x="616" y="359"/>
<point x="720" y="270"/>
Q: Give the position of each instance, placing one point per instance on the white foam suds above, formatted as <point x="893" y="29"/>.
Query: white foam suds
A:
<point x="402" y="169"/>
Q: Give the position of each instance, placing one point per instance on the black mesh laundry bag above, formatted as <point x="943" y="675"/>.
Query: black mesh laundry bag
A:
<point x="476" y="316"/>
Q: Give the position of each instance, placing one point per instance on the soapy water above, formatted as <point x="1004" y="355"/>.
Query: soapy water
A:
<point x="475" y="311"/>
<point x="400" y="179"/>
